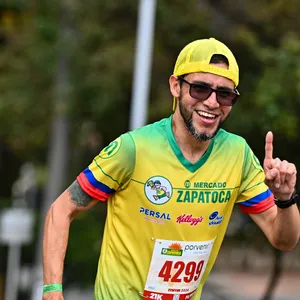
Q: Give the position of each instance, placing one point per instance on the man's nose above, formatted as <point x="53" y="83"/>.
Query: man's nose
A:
<point x="211" y="101"/>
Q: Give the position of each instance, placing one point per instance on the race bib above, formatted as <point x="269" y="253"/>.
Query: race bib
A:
<point x="176" y="269"/>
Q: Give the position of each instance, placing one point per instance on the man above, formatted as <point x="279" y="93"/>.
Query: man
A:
<point x="171" y="187"/>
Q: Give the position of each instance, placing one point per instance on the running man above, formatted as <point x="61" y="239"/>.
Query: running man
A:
<point x="204" y="171"/>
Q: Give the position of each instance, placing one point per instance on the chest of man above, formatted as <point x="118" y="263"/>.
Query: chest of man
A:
<point x="165" y="196"/>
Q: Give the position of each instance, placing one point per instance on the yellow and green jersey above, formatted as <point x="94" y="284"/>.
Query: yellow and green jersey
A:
<point x="166" y="216"/>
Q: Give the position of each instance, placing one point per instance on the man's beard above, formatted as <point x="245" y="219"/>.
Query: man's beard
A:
<point x="188" y="120"/>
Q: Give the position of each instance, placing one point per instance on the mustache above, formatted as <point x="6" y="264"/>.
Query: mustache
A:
<point x="187" y="117"/>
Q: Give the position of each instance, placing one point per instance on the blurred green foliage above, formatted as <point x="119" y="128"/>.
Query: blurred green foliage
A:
<point x="264" y="36"/>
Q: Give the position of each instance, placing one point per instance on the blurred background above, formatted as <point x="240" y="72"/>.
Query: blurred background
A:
<point x="71" y="75"/>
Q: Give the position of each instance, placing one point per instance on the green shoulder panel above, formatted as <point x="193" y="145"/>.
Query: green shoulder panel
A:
<point x="115" y="164"/>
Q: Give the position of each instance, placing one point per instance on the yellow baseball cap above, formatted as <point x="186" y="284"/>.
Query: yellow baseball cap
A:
<point x="196" y="56"/>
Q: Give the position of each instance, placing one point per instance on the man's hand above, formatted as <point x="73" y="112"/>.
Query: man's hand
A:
<point x="53" y="296"/>
<point x="280" y="176"/>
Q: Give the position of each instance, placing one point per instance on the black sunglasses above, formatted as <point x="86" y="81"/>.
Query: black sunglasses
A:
<point x="202" y="92"/>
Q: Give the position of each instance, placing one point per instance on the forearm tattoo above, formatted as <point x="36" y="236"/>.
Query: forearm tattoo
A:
<point x="78" y="195"/>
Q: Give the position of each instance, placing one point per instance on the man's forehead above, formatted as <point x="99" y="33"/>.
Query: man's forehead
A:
<point x="211" y="78"/>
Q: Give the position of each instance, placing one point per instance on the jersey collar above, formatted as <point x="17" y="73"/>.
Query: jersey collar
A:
<point x="192" y="167"/>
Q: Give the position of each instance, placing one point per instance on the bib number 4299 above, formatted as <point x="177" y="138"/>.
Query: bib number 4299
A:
<point x="182" y="271"/>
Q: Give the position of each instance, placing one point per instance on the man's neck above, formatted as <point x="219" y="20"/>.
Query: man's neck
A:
<point x="191" y="148"/>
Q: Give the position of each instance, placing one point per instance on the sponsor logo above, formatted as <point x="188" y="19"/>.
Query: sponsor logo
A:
<point x="215" y="219"/>
<point x="196" y="247"/>
<point x="213" y="215"/>
<point x="111" y="149"/>
<point x="158" y="190"/>
<point x="174" y="249"/>
<point x="194" y="196"/>
<point x="189" y="219"/>
<point x="187" y="184"/>
<point x="209" y="185"/>
<point x="158" y="217"/>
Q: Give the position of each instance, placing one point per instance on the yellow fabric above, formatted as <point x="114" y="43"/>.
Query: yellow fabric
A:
<point x="196" y="56"/>
<point x="155" y="193"/>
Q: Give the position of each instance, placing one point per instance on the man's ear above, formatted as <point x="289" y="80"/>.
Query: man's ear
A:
<point x="174" y="86"/>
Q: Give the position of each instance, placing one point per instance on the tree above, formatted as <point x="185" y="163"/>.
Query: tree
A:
<point x="101" y="76"/>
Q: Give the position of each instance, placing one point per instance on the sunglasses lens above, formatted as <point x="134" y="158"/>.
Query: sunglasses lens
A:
<point x="226" y="98"/>
<point x="200" y="92"/>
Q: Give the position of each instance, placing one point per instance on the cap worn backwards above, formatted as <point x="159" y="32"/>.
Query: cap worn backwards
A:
<point x="196" y="57"/>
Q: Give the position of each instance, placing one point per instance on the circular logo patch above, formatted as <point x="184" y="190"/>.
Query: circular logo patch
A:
<point x="111" y="149"/>
<point x="158" y="190"/>
<point x="187" y="184"/>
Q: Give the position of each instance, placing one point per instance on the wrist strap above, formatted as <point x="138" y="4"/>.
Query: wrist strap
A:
<point x="57" y="287"/>
<point x="286" y="203"/>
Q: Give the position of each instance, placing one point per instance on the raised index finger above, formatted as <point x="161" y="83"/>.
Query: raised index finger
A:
<point x="269" y="146"/>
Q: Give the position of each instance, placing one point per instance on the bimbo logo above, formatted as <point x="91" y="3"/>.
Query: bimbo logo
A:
<point x="189" y="219"/>
<point x="215" y="219"/>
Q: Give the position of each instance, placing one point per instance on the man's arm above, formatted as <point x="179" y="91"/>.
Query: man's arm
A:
<point x="56" y="232"/>
<point x="281" y="226"/>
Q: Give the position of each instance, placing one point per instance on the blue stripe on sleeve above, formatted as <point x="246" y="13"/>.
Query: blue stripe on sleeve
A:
<point x="257" y="198"/>
<point x="95" y="183"/>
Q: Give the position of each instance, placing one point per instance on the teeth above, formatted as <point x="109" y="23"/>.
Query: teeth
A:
<point x="204" y="114"/>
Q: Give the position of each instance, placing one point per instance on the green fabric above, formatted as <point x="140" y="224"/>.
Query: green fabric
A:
<point x="52" y="288"/>
<point x="192" y="167"/>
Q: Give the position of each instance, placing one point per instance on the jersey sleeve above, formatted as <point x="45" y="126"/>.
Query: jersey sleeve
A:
<point x="110" y="170"/>
<point x="255" y="196"/>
